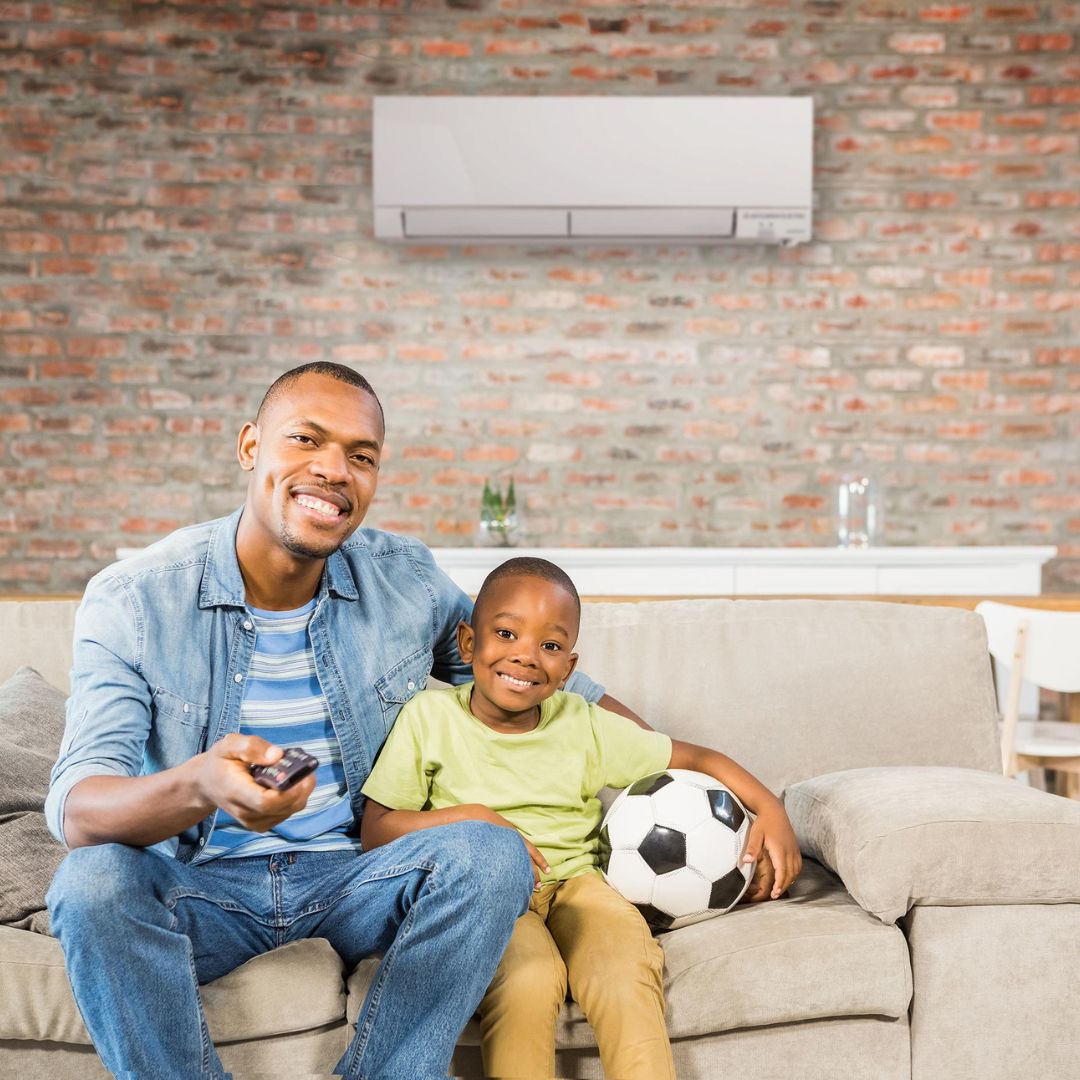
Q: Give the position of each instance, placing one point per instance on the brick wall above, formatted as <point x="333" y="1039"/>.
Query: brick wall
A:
<point x="186" y="213"/>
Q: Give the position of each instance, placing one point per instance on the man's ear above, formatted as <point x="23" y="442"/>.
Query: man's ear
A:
<point x="571" y="663"/>
<point x="247" y="445"/>
<point x="465" y="640"/>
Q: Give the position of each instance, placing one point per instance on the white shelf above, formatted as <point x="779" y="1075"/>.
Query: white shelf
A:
<point x="911" y="571"/>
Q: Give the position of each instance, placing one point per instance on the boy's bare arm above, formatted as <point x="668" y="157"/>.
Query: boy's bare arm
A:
<point x="380" y="825"/>
<point x="771" y="830"/>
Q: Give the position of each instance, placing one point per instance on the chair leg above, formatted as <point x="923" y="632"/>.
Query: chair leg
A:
<point x="1009" y="764"/>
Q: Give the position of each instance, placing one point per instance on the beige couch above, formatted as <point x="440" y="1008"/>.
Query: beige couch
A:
<point x="940" y="942"/>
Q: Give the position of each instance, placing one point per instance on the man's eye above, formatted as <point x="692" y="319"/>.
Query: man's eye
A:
<point x="364" y="459"/>
<point x="302" y="438"/>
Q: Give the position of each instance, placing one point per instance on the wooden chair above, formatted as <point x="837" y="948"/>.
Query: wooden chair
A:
<point x="1042" y="647"/>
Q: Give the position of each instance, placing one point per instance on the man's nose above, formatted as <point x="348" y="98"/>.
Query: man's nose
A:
<point x="331" y="463"/>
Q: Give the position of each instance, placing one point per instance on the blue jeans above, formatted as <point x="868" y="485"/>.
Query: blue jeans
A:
<point x="141" y="931"/>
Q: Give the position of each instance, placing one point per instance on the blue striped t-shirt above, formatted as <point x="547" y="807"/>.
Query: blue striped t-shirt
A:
<point x="284" y="704"/>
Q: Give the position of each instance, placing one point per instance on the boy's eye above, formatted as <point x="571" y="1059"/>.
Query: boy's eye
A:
<point x="551" y="646"/>
<point x="506" y="635"/>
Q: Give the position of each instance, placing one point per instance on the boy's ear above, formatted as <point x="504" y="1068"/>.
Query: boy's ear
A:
<point x="571" y="663"/>
<point x="465" y="639"/>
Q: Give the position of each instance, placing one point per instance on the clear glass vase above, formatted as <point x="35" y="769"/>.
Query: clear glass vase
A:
<point x="858" y="506"/>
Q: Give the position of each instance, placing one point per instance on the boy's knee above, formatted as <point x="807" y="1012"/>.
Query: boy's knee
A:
<point x="529" y="988"/>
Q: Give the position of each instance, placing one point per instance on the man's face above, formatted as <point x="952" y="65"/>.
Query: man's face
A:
<point x="520" y="646"/>
<point x="314" y="458"/>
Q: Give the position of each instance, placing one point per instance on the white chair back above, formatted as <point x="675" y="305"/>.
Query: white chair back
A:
<point x="1051" y="646"/>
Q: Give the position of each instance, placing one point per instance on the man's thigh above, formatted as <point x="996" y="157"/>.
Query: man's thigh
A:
<point x="360" y="899"/>
<point x="119" y="897"/>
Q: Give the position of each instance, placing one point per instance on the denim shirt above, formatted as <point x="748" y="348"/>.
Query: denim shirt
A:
<point x="163" y="644"/>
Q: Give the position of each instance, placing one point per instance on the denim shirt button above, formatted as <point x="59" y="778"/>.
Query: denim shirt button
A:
<point x="247" y="624"/>
<point x="238" y="677"/>
<point x="411" y="685"/>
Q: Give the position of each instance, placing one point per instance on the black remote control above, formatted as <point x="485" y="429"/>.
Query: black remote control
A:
<point x="293" y="766"/>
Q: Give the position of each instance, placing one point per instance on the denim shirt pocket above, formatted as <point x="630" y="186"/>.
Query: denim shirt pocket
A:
<point x="402" y="681"/>
<point x="179" y="725"/>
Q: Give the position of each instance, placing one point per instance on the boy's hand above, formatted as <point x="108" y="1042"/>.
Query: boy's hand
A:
<point x="479" y="812"/>
<point x="772" y="831"/>
<point x="761" y="883"/>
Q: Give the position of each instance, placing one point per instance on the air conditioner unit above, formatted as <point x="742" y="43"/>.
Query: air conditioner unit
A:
<point x="699" y="170"/>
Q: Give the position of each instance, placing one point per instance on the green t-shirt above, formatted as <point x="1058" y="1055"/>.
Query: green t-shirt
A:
<point x="544" y="781"/>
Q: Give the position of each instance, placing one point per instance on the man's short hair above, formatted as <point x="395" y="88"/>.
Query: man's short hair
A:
<point x="318" y="367"/>
<point x="529" y="566"/>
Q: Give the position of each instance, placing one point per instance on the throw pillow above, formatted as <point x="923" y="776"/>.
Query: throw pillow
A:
<point x="31" y="727"/>
<point x="904" y="836"/>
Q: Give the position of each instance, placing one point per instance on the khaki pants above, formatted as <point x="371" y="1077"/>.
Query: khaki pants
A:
<point x="580" y="932"/>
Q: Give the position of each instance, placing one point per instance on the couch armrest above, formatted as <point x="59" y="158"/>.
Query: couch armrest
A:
<point x="904" y="836"/>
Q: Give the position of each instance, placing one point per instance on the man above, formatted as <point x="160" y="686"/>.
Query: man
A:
<point x="205" y="655"/>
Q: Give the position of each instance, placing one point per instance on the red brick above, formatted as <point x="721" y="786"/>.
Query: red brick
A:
<point x="916" y="43"/>
<point x="946" y="13"/>
<point x="26" y="243"/>
<point x="445" y="48"/>
<point x="1028" y="478"/>
<point x="29" y="345"/>
<point x="65" y="267"/>
<point x="97" y="244"/>
<point x="17" y="422"/>
<point x="955" y="121"/>
<point x="41" y="548"/>
<point x="1043" y="42"/>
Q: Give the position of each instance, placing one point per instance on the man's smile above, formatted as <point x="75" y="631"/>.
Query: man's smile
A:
<point x="329" y="506"/>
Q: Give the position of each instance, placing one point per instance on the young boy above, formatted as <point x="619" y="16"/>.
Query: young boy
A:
<point x="513" y="749"/>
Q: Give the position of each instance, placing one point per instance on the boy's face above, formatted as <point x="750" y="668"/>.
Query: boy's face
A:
<point x="519" y="646"/>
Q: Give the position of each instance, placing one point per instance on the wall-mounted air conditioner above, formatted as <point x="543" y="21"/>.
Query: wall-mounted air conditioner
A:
<point x="697" y="170"/>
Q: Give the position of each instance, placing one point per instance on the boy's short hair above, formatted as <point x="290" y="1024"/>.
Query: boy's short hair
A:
<point x="529" y="566"/>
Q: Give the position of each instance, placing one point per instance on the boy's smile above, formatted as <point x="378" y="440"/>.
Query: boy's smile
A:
<point x="519" y="646"/>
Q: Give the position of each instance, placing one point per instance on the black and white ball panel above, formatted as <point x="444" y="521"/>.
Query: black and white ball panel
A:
<point x="671" y="843"/>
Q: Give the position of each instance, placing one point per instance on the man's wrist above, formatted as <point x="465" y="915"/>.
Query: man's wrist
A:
<point x="192" y="786"/>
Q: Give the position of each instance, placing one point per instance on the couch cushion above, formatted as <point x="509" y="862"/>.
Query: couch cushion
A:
<point x="814" y="955"/>
<point x="795" y="688"/>
<point x="295" y="988"/>
<point x="38" y="632"/>
<point x="31" y="726"/>
<point x="941" y="837"/>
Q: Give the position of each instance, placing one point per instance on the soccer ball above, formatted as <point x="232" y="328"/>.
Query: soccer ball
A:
<point x="671" y="843"/>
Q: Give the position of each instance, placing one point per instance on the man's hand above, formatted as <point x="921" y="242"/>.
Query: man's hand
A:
<point x="224" y="780"/>
<point x="479" y="812"/>
<point x="772" y="875"/>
